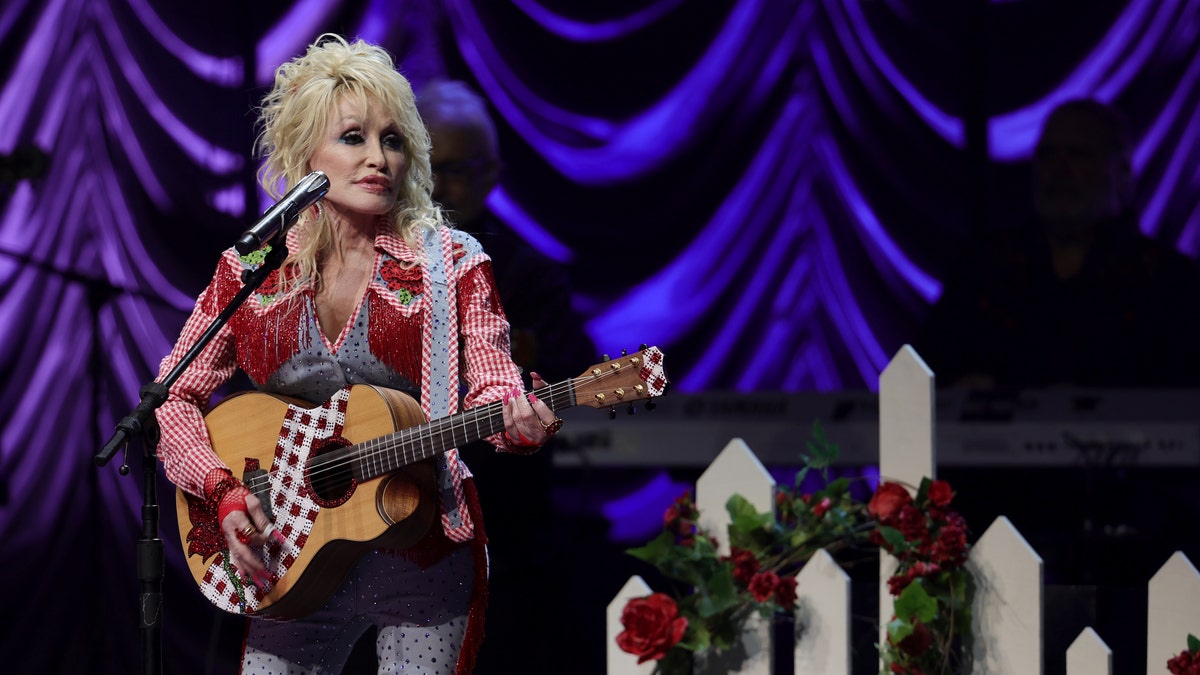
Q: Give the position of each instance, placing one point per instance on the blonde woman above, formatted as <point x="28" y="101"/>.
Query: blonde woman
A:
<point x="377" y="289"/>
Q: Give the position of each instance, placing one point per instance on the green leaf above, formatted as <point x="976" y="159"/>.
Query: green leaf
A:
<point x="656" y="550"/>
<point x="1193" y="643"/>
<point x="893" y="536"/>
<point x="716" y="594"/>
<point x="747" y="524"/>
<point x="922" y="491"/>
<point x="742" y="510"/>
<point x="962" y="619"/>
<point x="677" y="660"/>
<point x="697" y="636"/>
<point x="837" y="488"/>
<point x="898" y="629"/>
<point x="797" y="538"/>
<point x="823" y="452"/>
<point x="915" y="601"/>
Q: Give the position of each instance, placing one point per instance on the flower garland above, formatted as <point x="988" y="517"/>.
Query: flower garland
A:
<point x="931" y="587"/>
<point x="713" y="594"/>
<point x="1187" y="662"/>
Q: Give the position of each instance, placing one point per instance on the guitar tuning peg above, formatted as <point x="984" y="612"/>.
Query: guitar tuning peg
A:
<point x="604" y="357"/>
<point x="644" y="347"/>
<point x="629" y="409"/>
<point x="612" y="413"/>
<point x="650" y="404"/>
<point x="624" y="352"/>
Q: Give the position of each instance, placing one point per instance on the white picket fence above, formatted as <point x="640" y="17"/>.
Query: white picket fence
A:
<point x="1007" y="609"/>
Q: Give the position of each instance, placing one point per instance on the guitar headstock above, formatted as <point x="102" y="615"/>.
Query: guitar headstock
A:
<point x="632" y="377"/>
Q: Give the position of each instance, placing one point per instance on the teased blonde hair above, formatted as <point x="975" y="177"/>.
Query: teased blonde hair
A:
<point x="292" y="119"/>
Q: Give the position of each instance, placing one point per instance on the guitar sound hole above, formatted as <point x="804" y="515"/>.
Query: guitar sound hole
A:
<point x="330" y="474"/>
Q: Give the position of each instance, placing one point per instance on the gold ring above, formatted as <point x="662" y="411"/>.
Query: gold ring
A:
<point x="248" y="531"/>
<point x="553" y="427"/>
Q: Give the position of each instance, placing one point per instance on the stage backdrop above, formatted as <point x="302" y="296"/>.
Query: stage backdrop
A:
<point x="769" y="191"/>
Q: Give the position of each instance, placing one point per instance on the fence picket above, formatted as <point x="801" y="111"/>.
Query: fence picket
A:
<point x="823" y="617"/>
<point x="1007" y="607"/>
<point x="906" y="442"/>
<point x="1088" y="655"/>
<point x="736" y="470"/>
<point x="1172" y="609"/>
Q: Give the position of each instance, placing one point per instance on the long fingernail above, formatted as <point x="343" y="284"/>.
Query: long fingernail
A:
<point x="507" y="396"/>
<point x="532" y="397"/>
<point x="278" y="536"/>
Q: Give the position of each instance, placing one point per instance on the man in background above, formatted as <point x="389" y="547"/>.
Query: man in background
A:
<point x="547" y="338"/>
<point x="1077" y="295"/>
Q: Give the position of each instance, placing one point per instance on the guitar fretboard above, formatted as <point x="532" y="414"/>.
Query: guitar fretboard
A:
<point x="385" y="454"/>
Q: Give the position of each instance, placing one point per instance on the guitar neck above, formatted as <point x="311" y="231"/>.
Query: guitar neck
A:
<point x="385" y="454"/>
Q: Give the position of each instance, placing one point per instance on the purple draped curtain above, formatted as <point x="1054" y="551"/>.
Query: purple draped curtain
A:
<point x="768" y="191"/>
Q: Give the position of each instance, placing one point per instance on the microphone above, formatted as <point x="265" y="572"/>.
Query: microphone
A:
<point x="283" y="215"/>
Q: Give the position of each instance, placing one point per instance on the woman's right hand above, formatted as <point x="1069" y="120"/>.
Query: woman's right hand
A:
<point x="246" y="531"/>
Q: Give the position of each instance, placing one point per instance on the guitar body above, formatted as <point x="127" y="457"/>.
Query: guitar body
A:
<point x="355" y="473"/>
<point x="393" y="511"/>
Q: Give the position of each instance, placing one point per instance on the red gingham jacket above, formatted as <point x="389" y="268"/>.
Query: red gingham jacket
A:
<point x="264" y="333"/>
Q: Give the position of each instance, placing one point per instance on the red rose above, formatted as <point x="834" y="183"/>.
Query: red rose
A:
<point x="924" y="569"/>
<point x="821" y="507"/>
<point x="887" y="501"/>
<point x="670" y="515"/>
<point x="911" y="522"/>
<point x="940" y="493"/>
<point x="902" y="579"/>
<point x="785" y="593"/>
<point x="763" y="585"/>
<point x="1185" y="663"/>
<point x="951" y="545"/>
<point x="745" y="565"/>
<point x="875" y="537"/>
<point x="652" y="626"/>
<point x="917" y="641"/>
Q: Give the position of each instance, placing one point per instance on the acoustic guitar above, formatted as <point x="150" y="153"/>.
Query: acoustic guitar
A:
<point x="356" y="473"/>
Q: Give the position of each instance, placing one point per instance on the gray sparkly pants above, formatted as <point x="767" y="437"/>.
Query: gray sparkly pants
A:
<point x="421" y="616"/>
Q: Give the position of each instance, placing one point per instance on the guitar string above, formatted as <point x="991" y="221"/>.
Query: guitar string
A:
<point x="441" y="431"/>
<point x="378" y="449"/>
<point x="404" y="439"/>
<point x="410" y="439"/>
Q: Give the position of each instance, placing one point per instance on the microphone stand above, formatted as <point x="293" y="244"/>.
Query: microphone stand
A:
<point x="141" y="423"/>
